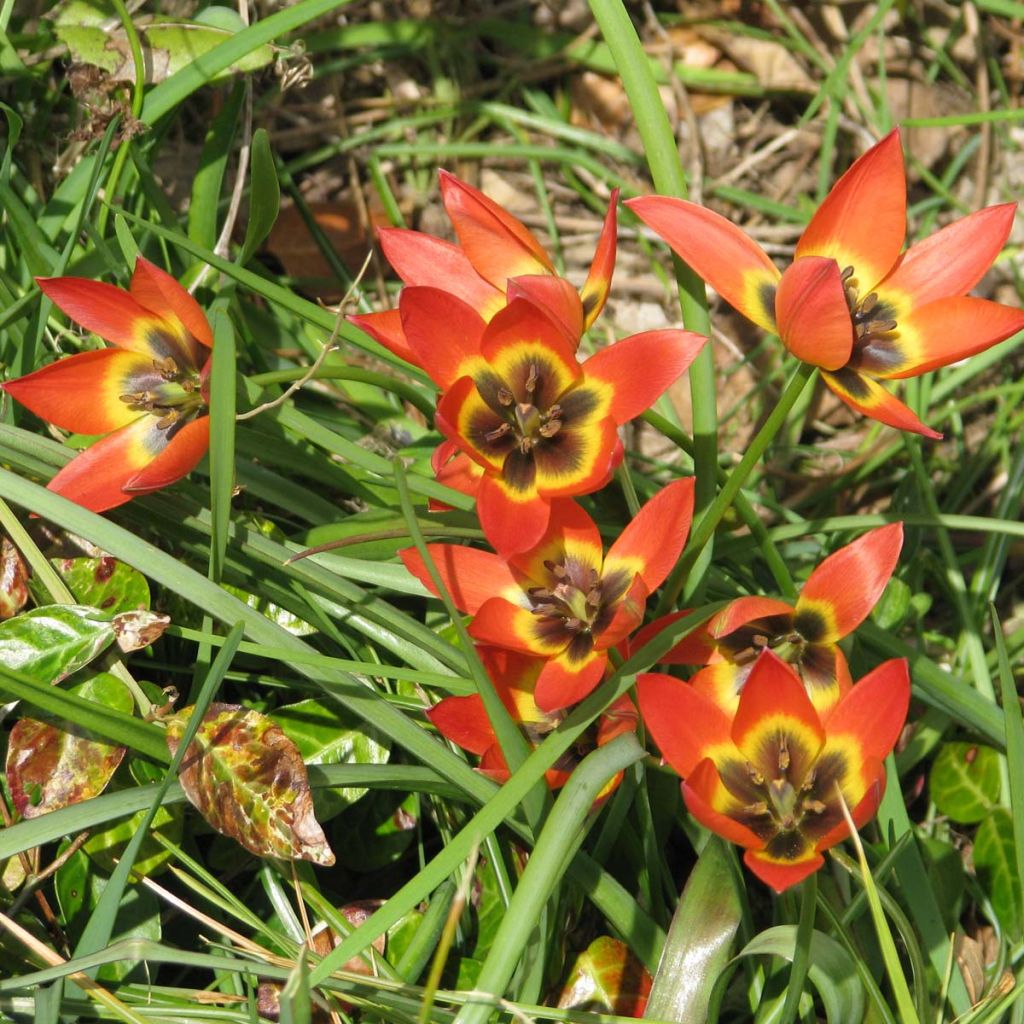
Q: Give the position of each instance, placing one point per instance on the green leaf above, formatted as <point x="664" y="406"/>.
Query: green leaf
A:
<point x="995" y="862"/>
<point x="51" y="642"/>
<point x="965" y="781"/>
<point x="50" y="766"/>
<point x="104" y="583"/>
<point x="106" y="846"/>
<point x="607" y="978"/>
<point x="378" y="830"/>
<point x="331" y="735"/>
<point x="264" y="195"/>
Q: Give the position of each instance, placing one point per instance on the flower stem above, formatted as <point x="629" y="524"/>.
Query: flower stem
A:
<point x="705" y="528"/>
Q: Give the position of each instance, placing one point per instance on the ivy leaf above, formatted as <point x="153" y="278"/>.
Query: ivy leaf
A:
<point x="607" y="978"/>
<point x="996" y="865"/>
<point x="965" y="781"/>
<point x="247" y="779"/>
<point x="50" y="766"/>
<point x="13" y="580"/>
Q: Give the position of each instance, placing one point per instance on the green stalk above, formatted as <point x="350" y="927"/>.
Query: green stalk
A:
<point x="659" y="142"/>
<point x="801" y="949"/>
<point x="705" y="528"/>
<point x="560" y="838"/>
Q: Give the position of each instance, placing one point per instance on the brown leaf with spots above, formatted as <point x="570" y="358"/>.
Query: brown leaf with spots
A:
<point x="607" y="978"/>
<point x="54" y="766"/>
<point x="247" y="779"/>
<point x="138" y="629"/>
<point x="13" y="580"/>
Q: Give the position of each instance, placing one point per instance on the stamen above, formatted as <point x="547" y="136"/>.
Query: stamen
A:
<point x="759" y="807"/>
<point x="505" y="397"/>
<point x="550" y="428"/>
<point x="531" y="379"/>
<point x="814" y="806"/>
<point x="169" y="420"/>
<point x="784" y="759"/>
<point x="493" y="435"/>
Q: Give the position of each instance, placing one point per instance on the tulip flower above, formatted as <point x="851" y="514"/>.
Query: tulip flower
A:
<point x="771" y="777"/>
<point x="497" y="259"/>
<point x="837" y="597"/>
<point x="539" y="424"/>
<point x="565" y="600"/>
<point x="464" y="721"/>
<point x="148" y="394"/>
<point x="852" y="302"/>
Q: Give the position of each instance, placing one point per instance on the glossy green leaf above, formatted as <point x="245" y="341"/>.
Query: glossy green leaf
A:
<point x="264" y="195"/>
<point x="328" y="734"/>
<point x="377" y="830"/>
<point x="53" y="765"/>
<point x="607" y="978"/>
<point x="13" y="580"/>
<point x="965" y="781"/>
<point x="248" y="781"/>
<point x="105" y="583"/>
<point x="51" y="642"/>
<point x="699" y="939"/>
<point x="106" y="845"/>
<point x="995" y="862"/>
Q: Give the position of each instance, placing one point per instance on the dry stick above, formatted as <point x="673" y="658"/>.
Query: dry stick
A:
<point x="323" y="354"/>
<point x="981" y="84"/>
<point x="33" y="881"/>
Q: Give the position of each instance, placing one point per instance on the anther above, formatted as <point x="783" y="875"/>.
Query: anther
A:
<point x="505" y="397"/>
<point x="550" y="428"/>
<point x="493" y="435"/>
<point x="531" y="379"/>
<point x="814" y="806"/>
<point x="759" y="807"/>
<point x="169" y="420"/>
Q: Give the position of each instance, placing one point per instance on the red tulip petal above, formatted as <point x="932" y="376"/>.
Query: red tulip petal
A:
<point x="501" y="623"/>
<point x="469" y="575"/>
<point x="872" y="714"/>
<point x="96" y="477"/>
<point x="702" y="791"/>
<point x="721" y="683"/>
<point x="82" y="392"/>
<point x="565" y="680"/>
<point x="651" y="543"/>
<point x="156" y="290"/>
<point x="825" y="675"/>
<point x="461" y="474"/>
<point x="938" y="334"/>
<point x="523" y="331"/>
<point x="774" y="705"/>
<point x="181" y="455"/>
<point x="639" y="369"/>
<point x="514" y="677"/>
<point x="733" y="264"/>
<point x="629" y="613"/>
<point x="116" y="317"/>
<point x="621" y="717"/>
<point x="840" y="593"/>
<point x="867" y="396"/>
<point x="498" y="245"/>
<point x="570" y="535"/>
<point x="743" y="610"/>
<point x="951" y="261"/>
<point x="556" y="297"/>
<point x="422" y="260"/>
<point x="599" y="280"/>
<point x="781" y="875"/>
<point x="494" y="765"/>
<point x="464" y="721"/>
<point x="862" y="222"/>
<point x="686" y="726"/>
<point x="693" y="649"/>
<point x="813" y="315"/>
<point x="511" y="523"/>
<point x="386" y="328"/>
<point x="863" y="810"/>
<point x="443" y="333"/>
<point x="466" y="420"/>
<point x="579" y="459"/>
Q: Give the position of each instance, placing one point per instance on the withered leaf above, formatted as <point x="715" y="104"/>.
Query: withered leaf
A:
<point x="138" y="629"/>
<point x="50" y="766"/>
<point x="13" y="580"/>
<point x="608" y="978"/>
<point x="247" y="779"/>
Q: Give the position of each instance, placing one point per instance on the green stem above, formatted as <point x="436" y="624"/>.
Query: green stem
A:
<point x="669" y="179"/>
<point x="560" y="838"/>
<point x="801" y="949"/>
<point x="705" y="528"/>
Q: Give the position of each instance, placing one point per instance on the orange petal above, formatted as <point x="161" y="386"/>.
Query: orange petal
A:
<point x="733" y="264"/>
<point x="386" y="328"/>
<point x="556" y="297"/>
<point x="701" y="791"/>
<point x="651" y="543"/>
<point x="686" y="726"/>
<point x="778" y="874"/>
<point x="951" y="261"/>
<point x="839" y="595"/>
<point x="498" y="245"/>
<point x="862" y="222"/>
<point x="944" y="332"/>
<point x="181" y="455"/>
<point x="814" y="318"/>
<point x="743" y="610"/>
<point x="693" y="649"/>
<point x="443" y="333"/>
<point x="422" y="260"/>
<point x="469" y="575"/>
<point x="156" y="290"/>
<point x="599" y="280"/>
<point x="864" y="809"/>
<point x="82" y="392"/>
<point x="514" y="677"/>
<point x="639" y="369"/>
<point x="95" y="478"/>
<point x="867" y="396"/>
<point x="571" y="535"/>
<point x="581" y="460"/>
<point x="873" y="712"/>
<point x="565" y="681"/>
<point x="464" y="721"/>
<point x="511" y="521"/>
<point x="501" y="623"/>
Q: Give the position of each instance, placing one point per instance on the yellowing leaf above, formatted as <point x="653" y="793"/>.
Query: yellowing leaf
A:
<point x="607" y="978"/>
<point x="247" y="779"/>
